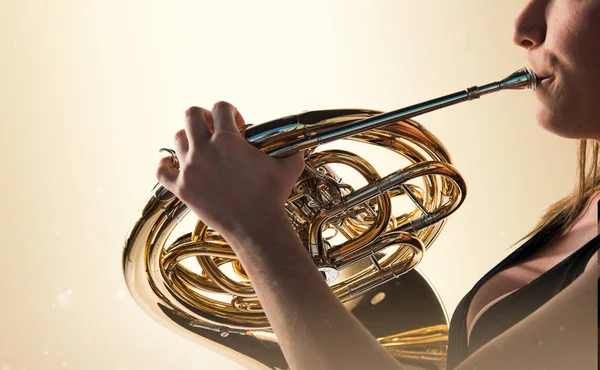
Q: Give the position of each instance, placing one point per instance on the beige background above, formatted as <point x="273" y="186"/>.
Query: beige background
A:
<point x="90" y="90"/>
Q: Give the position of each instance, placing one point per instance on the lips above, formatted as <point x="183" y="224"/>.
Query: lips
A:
<point x="546" y="81"/>
<point x="544" y="90"/>
<point x="541" y="76"/>
<point x="544" y="78"/>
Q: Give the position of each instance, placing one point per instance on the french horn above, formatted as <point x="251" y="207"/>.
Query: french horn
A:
<point x="197" y="287"/>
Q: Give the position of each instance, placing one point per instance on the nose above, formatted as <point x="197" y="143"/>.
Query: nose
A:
<point x="530" y="25"/>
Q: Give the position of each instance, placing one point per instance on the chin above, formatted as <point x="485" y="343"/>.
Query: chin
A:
<point x="565" y="127"/>
<point x="555" y="124"/>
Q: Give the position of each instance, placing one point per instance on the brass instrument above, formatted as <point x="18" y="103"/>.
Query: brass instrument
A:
<point x="213" y="301"/>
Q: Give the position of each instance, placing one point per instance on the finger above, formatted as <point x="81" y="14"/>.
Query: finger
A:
<point x="166" y="174"/>
<point x="208" y="119"/>
<point x="181" y="143"/>
<point x="292" y="165"/>
<point x="196" y="128"/>
<point x="239" y="120"/>
<point x="224" y="119"/>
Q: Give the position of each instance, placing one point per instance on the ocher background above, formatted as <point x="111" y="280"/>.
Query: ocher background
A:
<point x="92" y="89"/>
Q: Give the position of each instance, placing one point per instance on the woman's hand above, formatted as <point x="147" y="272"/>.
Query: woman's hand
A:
<point x="240" y="192"/>
<point x="228" y="183"/>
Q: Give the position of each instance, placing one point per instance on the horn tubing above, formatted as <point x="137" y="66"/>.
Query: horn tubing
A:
<point x="521" y="79"/>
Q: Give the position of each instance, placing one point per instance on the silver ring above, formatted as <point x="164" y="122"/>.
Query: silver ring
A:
<point x="174" y="160"/>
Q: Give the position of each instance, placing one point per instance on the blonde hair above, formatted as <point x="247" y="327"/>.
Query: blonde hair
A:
<point x="561" y="215"/>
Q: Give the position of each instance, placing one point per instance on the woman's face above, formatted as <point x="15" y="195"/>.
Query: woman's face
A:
<point x="562" y="39"/>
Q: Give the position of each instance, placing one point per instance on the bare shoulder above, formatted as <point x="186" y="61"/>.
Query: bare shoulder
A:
<point x="561" y="334"/>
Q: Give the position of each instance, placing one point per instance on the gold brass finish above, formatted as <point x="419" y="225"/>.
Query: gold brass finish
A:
<point x="217" y="300"/>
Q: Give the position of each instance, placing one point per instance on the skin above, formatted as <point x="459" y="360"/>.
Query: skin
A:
<point x="563" y="47"/>
<point x="561" y="41"/>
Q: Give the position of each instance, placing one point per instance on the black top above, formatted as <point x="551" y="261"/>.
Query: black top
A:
<point x="517" y="305"/>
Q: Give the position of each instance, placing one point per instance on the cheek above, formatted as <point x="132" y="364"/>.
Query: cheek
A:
<point x="573" y="30"/>
<point x="582" y="39"/>
<point x="574" y="40"/>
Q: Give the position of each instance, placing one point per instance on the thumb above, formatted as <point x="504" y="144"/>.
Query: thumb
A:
<point x="292" y="166"/>
<point x="166" y="174"/>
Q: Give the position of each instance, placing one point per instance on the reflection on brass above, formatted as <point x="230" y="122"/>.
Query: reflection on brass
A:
<point x="427" y="345"/>
<point x="375" y="261"/>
